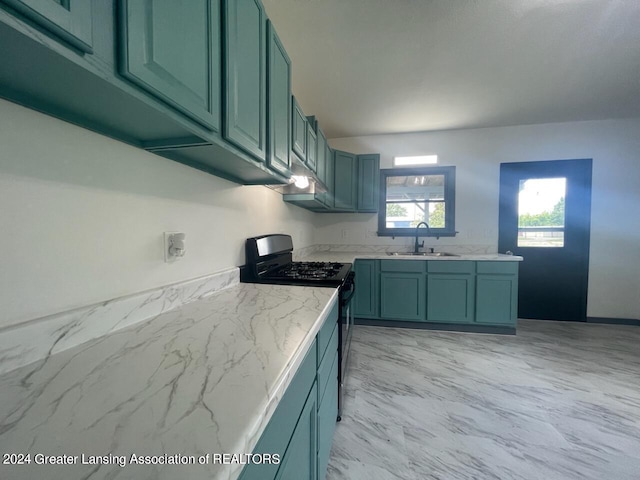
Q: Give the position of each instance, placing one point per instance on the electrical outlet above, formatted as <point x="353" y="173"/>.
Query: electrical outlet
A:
<point x="174" y="246"/>
<point x="344" y="234"/>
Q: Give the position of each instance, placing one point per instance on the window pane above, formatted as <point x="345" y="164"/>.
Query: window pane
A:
<point x="410" y="214"/>
<point x="415" y="187"/>
<point x="541" y="212"/>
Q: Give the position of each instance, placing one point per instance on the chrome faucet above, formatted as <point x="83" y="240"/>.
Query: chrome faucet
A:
<point x="417" y="246"/>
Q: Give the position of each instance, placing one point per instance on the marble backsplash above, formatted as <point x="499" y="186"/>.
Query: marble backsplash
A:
<point x="37" y="339"/>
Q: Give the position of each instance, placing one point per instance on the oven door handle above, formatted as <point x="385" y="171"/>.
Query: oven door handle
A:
<point x="349" y="290"/>
<point x="345" y="301"/>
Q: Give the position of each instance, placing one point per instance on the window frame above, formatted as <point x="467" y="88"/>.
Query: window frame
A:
<point x="449" y="229"/>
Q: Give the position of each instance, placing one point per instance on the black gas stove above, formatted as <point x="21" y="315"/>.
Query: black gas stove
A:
<point x="269" y="260"/>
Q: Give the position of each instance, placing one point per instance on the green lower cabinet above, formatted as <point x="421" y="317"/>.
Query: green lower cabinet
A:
<point x="301" y="457"/>
<point x="450" y="291"/>
<point x="497" y="299"/>
<point x="365" y="301"/>
<point x="437" y="291"/>
<point x="402" y="296"/>
<point x="450" y="298"/>
<point x="327" y="417"/>
<point x="302" y="426"/>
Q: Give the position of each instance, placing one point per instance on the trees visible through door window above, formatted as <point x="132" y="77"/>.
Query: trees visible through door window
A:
<point x="541" y="212"/>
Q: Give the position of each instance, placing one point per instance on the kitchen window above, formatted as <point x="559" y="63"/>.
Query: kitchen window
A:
<point x="409" y="196"/>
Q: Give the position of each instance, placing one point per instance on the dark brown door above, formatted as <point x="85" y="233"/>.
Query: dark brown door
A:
<point x="545" y="211"/>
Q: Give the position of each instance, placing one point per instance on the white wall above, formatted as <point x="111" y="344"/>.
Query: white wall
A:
<point x="614" y="146"/>
<point x="82" y="217"/>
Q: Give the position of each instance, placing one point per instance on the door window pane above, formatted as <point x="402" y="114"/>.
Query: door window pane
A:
<point x="541" y="212"/>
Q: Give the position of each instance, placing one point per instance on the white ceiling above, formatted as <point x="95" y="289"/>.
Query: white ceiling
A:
<point x="384" y="66"/>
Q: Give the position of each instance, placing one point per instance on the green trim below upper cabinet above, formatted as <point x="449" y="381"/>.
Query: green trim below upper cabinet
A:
<point x="278" y="104"/>
<point x="245" y="76"/>
<point x="181" y="70"/>
<point x="71" y="21"/>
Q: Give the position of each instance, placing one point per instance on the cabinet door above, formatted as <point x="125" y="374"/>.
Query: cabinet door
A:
<point x="312" y="148"/>
<point x="300" y="459"/>
<point x="321" y="161"/>
<point x="245" y="76"/>
<point x="69" y="20"/>
<point x="365" y="302"/>
<point x="497" y="299"/>
<point x="298" y="131"/>
<point x="368" y="182"/>
<point x="402" y="296"/>
<point x="279" y="104"/>
<point x="345" y="170"/>
<point x="450" y="298"/>
<point x="172" y="50"/>
<point x="327" y="417"/>
<point x="328" y="195"/>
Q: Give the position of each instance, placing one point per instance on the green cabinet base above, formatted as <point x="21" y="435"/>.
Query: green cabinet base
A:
<point x="448" y="327"/>
<point x="440" y="292"/>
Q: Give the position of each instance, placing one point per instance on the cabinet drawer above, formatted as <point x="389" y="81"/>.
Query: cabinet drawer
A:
<point x="324" y="370"/>
<point x="504" y="268"/>
<point x="324" y="335"/>
<point x="413" y="266"/>
<point x="444" y="266"/>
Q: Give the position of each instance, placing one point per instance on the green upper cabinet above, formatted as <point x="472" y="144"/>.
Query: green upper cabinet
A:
<point x="67" y="19"/>
<point x="278" y="104"/>
<point x="298" y="131"/>
<point x="172" y="50"/>
<point x="312" y="147"/>
<point x="368" y="182"/>
<point x="345" y="171"/>
<point x="328" y="198"/>
<point x="245" y="76"/>
<point x="321" y="157"/>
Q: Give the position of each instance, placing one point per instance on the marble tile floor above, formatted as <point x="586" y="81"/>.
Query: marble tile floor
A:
<point x="558" y="401"/>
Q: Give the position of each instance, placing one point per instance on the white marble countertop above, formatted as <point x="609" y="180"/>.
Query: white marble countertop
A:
<point x="350" y="257"/>
<point x="204" y="378"/>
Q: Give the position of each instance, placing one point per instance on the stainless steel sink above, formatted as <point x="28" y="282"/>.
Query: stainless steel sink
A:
<point x="422" y="254"/>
